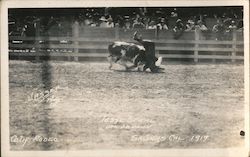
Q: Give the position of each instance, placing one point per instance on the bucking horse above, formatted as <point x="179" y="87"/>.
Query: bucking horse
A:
<point x="136" y="53"/>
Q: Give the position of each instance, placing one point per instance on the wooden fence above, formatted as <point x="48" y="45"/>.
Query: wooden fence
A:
<point x="86" y="42"/>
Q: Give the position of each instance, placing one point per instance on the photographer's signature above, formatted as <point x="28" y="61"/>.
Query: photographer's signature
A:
<point x="23" y="140"/>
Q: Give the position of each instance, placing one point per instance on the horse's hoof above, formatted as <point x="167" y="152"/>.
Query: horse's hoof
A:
<point x="159" y="61"/>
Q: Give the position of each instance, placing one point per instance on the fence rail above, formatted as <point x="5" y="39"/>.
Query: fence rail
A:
<point x="79" y="45"/>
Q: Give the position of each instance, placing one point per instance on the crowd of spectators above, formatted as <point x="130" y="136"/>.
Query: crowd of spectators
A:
<point x="136" y="18"/>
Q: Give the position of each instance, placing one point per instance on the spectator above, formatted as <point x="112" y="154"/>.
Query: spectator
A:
<point x="52" y="22"/>
<point x="104" y="22"/>
<point x="120" y="22"/>
<point x="152" y="25"/>
<point x="178" y="25"/>
<point x="110" y="23"/>
<point x="29" y="28"/>
<point x="178" y="29"/>
<point x="142" y="19"/>
<point x="162" y="24"/>
<point x="232" y="25"/>
<point x="218" y="29"/>
<point x="203" y="29"/>
<point x="143" y="11"/>
<point x="227" y="22"/>
<point x="174" y="13"/>
<point x="146" y="21"/>
<point x="138" y="23"/>
<point x="190" y="25"/>
<point x="201" y="26"/>
<point x="229" y="30"/>
<point x="127" y="24"/>
<point x="137" y="16"/>
<point x="88" y="19"/>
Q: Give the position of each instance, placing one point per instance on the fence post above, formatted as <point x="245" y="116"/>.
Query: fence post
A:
<point x="76" y="36"/>
<point x="37" y="35"/>
<point x="234" y="45"/>
<point x="117" y="33"/>
<point x="157" y="33"/>
<point x="196" y="46"/>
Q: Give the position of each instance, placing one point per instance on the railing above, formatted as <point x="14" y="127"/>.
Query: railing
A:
<point x="93" y="42"/>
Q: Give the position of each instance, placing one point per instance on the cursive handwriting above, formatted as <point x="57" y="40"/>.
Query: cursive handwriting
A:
<point x="23" y="140"/>
<point x="127" y="123"/>
<point x="39" y="96"/>
<point x="169" y="138"/>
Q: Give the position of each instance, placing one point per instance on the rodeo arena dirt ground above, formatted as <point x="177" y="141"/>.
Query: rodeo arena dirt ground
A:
<point x="84" y="105"/>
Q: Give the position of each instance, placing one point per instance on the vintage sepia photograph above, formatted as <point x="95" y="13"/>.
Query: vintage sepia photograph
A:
<point x="142" y="77"/>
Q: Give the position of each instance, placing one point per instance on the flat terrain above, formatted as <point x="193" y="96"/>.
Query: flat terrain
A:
<point x="87" y="106"/>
